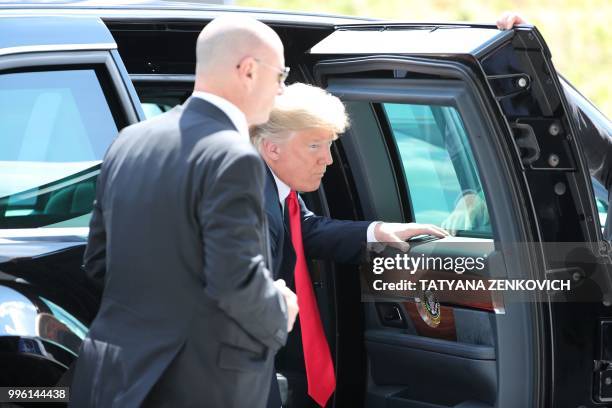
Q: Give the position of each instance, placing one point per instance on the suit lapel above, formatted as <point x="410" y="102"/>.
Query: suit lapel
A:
<point x="275" y="222"/>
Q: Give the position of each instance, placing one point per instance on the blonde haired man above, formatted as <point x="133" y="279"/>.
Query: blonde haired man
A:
<point x="295" y="144"/>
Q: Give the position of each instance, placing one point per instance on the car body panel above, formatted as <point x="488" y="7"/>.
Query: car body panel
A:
<point x="23" y="34"/>
<point x="168" y="11"/>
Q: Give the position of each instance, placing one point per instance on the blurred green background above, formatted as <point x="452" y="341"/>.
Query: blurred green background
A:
<point x="578" y="32"/>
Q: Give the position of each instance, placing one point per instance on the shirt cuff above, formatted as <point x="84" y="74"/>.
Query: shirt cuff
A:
<point x="370" y="233"/>
<point x="373" y="243"/>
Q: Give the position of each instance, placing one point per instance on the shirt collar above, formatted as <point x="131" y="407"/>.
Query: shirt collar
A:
<point x="231" y="110"/>
<point x="282" y="188"/>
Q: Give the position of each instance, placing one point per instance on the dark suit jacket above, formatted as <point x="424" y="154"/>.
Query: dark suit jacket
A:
<point x="323" y="237"/>
<point x="177" y="236"/>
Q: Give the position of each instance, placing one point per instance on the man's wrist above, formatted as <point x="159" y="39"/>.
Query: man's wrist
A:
<point x="373" y="243"/>
<point x="371" y="232"/>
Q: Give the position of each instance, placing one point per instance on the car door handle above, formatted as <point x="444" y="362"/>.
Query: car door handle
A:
<point x="390" y="314"/>
<point x="393" y="315"/>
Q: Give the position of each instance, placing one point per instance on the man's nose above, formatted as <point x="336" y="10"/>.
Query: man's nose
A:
<point x="328" y="157"/>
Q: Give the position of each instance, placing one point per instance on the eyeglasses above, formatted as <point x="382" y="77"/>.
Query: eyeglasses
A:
<point x="283" y="73"/>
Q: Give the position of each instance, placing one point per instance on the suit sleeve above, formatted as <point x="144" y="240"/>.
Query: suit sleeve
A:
<point x="334" y="240"/>
<point x="231" y="215"/>
<point x="94" y="259"/>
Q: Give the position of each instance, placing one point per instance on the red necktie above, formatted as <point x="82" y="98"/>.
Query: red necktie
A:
<point x="319" y="366"/>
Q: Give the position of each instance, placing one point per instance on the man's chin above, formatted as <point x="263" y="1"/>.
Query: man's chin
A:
<point x="311" y="188"/>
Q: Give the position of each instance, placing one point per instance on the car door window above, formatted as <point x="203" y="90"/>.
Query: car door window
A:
<point x="419" y="144"/>
<point x="157" y="97"/>
<point x="438" y="167"/>
<point x="55" y="127"/>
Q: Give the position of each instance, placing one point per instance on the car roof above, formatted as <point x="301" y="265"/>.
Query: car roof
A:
<point x="464" y="38"/>
<point x="39" y="33"/>
<point x="135" y="9"/>
<point x="143" y="9"/>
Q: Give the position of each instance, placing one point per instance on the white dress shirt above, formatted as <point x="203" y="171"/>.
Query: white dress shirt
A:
<point x="235" y="114"/>
<point x="284" y="190"/>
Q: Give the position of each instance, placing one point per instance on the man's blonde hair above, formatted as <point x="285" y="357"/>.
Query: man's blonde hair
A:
<point x="301" y="107"/>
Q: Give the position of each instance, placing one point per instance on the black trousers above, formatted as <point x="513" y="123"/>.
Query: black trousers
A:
<point x="290" y="363"/>
<point x="274" y="397"/>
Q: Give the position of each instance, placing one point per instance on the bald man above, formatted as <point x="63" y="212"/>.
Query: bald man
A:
<point x="190" y="316"/>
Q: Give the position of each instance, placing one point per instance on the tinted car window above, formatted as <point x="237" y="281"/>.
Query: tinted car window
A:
<point x="439" y="167"/>
<point x="152" y="109"/>
<point x="55" y="127"/>
<point x="159" y="97"/>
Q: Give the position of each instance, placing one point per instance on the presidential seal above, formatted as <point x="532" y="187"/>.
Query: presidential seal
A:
<point x="429" y="308"/>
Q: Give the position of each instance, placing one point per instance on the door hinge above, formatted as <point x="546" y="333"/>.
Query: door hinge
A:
<point x="603" y="367"/>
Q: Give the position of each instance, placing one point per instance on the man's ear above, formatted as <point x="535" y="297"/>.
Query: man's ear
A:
<point x="270" y="149"/>
<point x="246" y="70"/>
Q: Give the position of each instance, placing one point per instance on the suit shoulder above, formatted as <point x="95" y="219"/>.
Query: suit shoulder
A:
<point x="229" y="145"/>
<point x="156" y="122"/>
<point x="160" y="124"/>
<point x="230" y="167"/>
<point x="242" y="154"/>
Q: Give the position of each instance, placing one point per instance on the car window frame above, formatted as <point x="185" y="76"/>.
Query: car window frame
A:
<point x="431" y="92"/>
<point x="108" y="73"/>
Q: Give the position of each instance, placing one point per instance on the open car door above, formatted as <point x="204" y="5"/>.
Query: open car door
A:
<point x="451" y="118"/>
